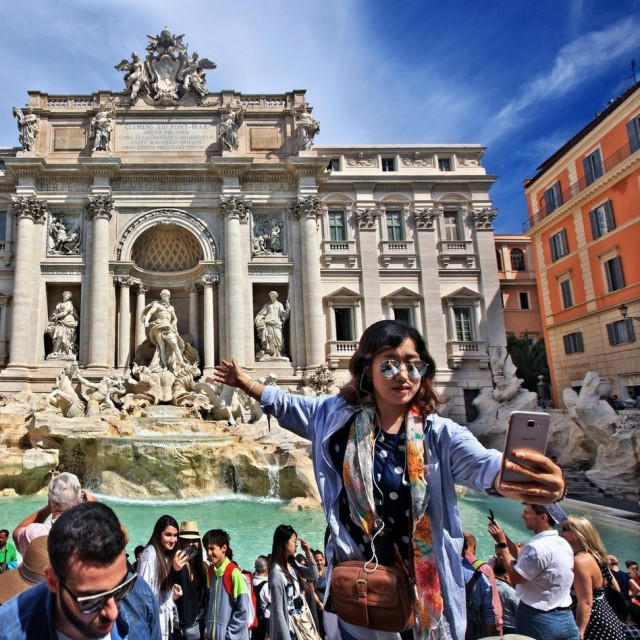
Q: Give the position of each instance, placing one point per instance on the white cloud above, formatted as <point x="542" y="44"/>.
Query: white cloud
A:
<point x="576" y="63"/>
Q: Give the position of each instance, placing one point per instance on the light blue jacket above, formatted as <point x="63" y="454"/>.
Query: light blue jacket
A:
<point x="454" y="457"/>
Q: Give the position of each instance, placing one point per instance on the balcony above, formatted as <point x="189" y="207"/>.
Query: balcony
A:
<point x="340" y="351"/>
<point x="462" y="351"/>
<point x="577" y="187"/>
<point x="341" y="251"/>
<point x="398" y="251"/>
<point x="458" y="250"/>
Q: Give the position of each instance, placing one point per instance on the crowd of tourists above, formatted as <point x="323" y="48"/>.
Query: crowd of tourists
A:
<point x="395" y="565"/>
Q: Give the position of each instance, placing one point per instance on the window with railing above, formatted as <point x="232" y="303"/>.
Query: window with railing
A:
<point x="464" y="323"/>
<point x="559" y="246"/>
<point x="633" y="131"/>
<point x="344" y="323"/>
<point x="602" y="220"/>
<point x="395" y="228"/>
<point x="553" y="197"/>
<point x="337" y="226"/>
<point x="450" y="221"/>
<point x="593" y="167"/>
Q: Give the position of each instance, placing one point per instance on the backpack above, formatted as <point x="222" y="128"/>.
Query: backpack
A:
<point x="260" y="609"/>
<point x="248" y="578"/>
<point x="475" y="626"/>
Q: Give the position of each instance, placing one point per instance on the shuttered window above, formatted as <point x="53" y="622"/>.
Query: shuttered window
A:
<point x="573" y="343"/>
<point x="593" y="168"/>
<point x="602" y="220"/>
<point x="621" y="331"/>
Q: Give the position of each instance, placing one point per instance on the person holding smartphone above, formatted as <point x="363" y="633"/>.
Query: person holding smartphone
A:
<point x="387" y="466"/>
<point x="189" y="571"/>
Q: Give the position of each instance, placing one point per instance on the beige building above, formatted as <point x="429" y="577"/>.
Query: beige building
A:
<point x="221" y="198"/>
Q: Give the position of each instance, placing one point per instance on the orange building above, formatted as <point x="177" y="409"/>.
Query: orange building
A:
<point x="584" y="218"/>
<point x="518" y="286"/>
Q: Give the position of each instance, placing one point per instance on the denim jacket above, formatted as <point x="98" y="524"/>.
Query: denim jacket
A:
<point x="453" y="456"/>
<point x="31" y="615"/>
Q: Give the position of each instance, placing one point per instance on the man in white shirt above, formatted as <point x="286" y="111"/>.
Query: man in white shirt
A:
<point x="542" y="575"/>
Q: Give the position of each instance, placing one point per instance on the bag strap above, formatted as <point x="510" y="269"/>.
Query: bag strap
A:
<point x="472" y="583"/>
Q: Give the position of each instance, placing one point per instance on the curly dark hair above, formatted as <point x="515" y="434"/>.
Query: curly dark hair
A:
<point x="377" y="337"/>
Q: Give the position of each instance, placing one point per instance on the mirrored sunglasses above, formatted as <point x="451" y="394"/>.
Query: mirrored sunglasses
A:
<point x="391" y="368"/>
<point x="97" y="601"/>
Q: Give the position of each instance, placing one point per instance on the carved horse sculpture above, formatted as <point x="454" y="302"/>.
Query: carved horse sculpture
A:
<point x="225" y="401"/>
<point x="64" y="396"/>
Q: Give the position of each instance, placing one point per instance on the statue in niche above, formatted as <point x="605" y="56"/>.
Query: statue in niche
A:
<point x="228" y="130"/>
<point x="269" y="323"/>
<point x="267" y="236"/>
<point x="62" y="328"/>
<point x="102" y="126"/>
<point x="307" y="127"/>
<point x="160" y="320"/>
<point x="28" y="128"/>
<point x="63" y="240"/>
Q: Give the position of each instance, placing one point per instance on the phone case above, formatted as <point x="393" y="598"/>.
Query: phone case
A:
<point x="527" y="430"/>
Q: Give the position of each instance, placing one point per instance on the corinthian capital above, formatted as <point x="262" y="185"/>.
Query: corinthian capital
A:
<point x="426" y="218"/>
<point x="367" y="218"/>
<point x="483" y="218"/>
<point x="100" y="207"/>
<point x="210" y="280"/>
<point x="306" y="206"/>
<point x="29" y="207"/>
<point x="235" y="206"/>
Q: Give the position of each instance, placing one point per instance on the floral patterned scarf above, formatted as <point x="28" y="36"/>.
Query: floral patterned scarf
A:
<point x="358" y="481"/>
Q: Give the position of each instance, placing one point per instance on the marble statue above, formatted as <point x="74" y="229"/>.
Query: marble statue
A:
<point x="62" y="327"/>
<point x="168" y="74"/>
<point x="101" y="395"/>
<point x="228" y="130"/>
<point x="28" y="128"/>
<point x="269" y="323"/>
<point x="63" y="240"/>
<point x="307" y="127"/>
<point x="102" y="126"/>
<point x="267" y="236"/>
<point x="160" y="320"/>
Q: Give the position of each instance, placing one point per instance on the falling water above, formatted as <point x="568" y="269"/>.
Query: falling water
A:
<point x="274" y="478"/>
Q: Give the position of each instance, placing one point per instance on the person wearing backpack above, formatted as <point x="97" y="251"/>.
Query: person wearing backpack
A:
<point x="263" y="601"/>
<point x="480" y="613"/>
<point x="228" y="614"/>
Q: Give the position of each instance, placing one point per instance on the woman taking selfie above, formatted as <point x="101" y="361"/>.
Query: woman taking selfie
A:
<point x="387" y="465"/>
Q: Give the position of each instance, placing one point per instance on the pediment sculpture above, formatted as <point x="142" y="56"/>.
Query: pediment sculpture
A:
<point x="168" y="74"/>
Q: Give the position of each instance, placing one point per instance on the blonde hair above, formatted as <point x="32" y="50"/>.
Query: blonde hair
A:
<point x="588" y="536"/>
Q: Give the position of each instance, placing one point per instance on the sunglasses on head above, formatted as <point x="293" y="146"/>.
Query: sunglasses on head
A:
<point x="391" y="368"/>
<point x="97" y="601"/>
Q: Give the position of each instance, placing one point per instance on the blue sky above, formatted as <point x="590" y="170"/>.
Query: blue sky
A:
<point x="518" y="77"/>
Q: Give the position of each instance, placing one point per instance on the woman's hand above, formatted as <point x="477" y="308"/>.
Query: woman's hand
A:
<point x="230" y="373"/>
<point x="180" y="559"/>
<point x="305" y="547"/>
<point x="176" y="591"/>
<point x="546" y="481"/>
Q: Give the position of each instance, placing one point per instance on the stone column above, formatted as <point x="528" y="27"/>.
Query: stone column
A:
<point x="435" y="328"/>
<point x="194" y="327"/>
<point x="367" y="219"/>
<point x="307" y="210"/>
<point x="124" y="329"/>
<point x="209" y="355"/>
<point x="100" y="209"/>
<point x="233" y="208"/>
<point x="27" y="209"/>
<point x="140" y="305"/>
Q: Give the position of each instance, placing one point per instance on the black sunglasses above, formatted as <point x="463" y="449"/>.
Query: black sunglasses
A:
<point x="97" y="601"/>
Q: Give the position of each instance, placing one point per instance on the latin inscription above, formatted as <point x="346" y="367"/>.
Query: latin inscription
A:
<point x="165" y="137"/>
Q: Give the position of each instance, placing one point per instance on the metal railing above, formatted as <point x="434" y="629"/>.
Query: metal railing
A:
<point x="580" y="185"/>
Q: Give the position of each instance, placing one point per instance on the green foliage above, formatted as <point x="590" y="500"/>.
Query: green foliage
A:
<point x="530" y="360"/>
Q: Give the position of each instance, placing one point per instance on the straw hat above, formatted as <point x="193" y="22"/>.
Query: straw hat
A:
<point x="29" y="573"/>
<point x="189" y="530"/>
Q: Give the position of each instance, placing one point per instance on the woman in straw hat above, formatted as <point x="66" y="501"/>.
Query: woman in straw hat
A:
<point x="29" y="573"/>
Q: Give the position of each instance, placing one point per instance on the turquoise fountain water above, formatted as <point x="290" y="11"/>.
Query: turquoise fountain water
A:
<point x="251" y="521"/>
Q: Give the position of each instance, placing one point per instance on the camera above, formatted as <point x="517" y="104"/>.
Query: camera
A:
<point x="191" y="551"/>
<point x="298" y="603"/>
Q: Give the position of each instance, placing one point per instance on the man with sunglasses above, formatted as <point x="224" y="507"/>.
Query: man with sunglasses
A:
<point x="88" y="592"/>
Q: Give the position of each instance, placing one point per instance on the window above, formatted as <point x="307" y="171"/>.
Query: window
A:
<point x="395" y="228"/>
<point x="524" y="300"/>
<point x="613" y="273"/>
<point x="621" y="331"/>
<point x="633" y="131"/>
<point x="464" y="325"/>
<point x="451" y="229"/>
<point x="517" y="260"/>
<point x="499" y="260"/>
<point x="3" y="225"/>
<point x="552" y="198"/>
<point x="334" y="164"/>
<point x="573" y="343"/>
<point x="337" y="228"/>
<point x="567" y="293"/>
<point x="593" y="168"/>
<point x="403" y="314"/>
<point x="602" y="220"/>
<point x="444" y="164"/>
<point x="344" y="323"/>
<point x="559" y="245"/>
<point x="388" y="164"/>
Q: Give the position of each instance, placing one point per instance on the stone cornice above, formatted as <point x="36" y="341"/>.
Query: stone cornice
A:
<point x="353" y="274"/>
<point x="458" y="273"/>
<point x="230" y="166"/>
<point x="66" y="268"/>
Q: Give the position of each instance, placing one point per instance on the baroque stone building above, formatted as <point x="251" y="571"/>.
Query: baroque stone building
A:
<point x="222" y="198"/>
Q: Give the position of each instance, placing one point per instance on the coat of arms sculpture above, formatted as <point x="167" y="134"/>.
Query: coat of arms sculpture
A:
<point x="168" y="75"/>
